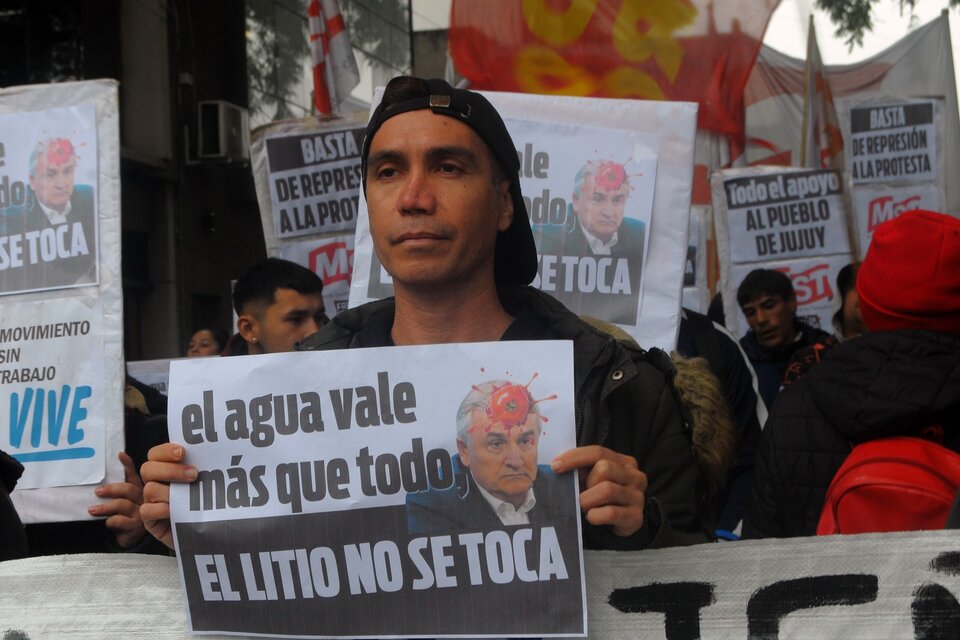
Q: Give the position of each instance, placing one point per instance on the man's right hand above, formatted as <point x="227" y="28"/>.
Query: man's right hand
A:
<point x="164" y="465"/>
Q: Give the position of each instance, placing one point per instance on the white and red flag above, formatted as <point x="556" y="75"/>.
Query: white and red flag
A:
<point x="334" y="67"/>
<point x="821" y="140"/>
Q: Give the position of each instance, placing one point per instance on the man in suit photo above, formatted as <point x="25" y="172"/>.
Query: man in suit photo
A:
<point x="498" y="481"/>
<point x="609" y="246"/>
<point x="58" y="222"/>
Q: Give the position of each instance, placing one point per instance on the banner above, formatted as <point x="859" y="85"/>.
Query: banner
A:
<point x="917" y="67"/>
<point x="307" y="175"/>
<point x="61" y="353"/>
<point x="369" y="492"/>
<point x="695" y="51"/>
<point x="607" y="189"/>
<point x="896" y="586"/>
<point x="792" y="221"/>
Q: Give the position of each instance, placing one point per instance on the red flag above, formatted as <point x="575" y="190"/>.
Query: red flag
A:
<point x="692" y="50"/>
<point x="334" y="67"/>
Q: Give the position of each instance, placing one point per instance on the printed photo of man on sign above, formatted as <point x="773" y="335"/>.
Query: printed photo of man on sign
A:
<point x="48" y="212"/>
<point x="498" y="480"/>
<point x="596" y="225"/>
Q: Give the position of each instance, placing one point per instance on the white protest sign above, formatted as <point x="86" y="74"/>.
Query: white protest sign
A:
<point x="784" y="219"/>
<point x="308" y="181"/>
<point x="894" y="586"/>
<point x="61" y="369"/>
<point x="341" y="493"/>
<point x="153" y="373"/>
<point x="894" y="142"/>
<point x="641" y="150"/>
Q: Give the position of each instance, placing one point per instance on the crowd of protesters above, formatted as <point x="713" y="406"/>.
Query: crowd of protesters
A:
<point x="743" y="443"/>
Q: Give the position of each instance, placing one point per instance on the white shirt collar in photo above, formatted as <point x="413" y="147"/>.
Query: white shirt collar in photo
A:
<point x="507" y="513"/>
<point x="598" y="246"/>
<point x="54" y="216"/>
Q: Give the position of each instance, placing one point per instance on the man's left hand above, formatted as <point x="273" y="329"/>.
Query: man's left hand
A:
<point x="611" y="486"/>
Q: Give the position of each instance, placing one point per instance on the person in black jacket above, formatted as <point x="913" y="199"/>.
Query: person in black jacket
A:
<point x="899" y="379"/>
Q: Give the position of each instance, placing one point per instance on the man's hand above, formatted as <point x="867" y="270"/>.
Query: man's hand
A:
<point x="611" y="486"/>
<point x="123" y="510"/>
<point x="164" y="465"/>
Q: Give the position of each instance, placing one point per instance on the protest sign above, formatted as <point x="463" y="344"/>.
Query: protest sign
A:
<point x="153" y="373"/>
<point x="635" y="161"/>
<point x="307" y="176"/>
<point x="894" y="142"/>
<point x="858" y="587"/>
<point x="789" y="220"/>
<point x="343" y="493"/>
<point x="61" y="372"/>
<point x="331" y="258"/>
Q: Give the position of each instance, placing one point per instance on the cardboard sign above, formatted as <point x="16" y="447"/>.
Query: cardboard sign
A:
<point x="352" y="493"/>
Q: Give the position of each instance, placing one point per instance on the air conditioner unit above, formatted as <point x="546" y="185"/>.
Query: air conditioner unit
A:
<point x="223" y="132"/>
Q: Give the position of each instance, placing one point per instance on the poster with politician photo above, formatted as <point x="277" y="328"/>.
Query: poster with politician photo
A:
<point x="401" y="492"/>
<point x="589" y="195"/>
<point x="48" y="199"/>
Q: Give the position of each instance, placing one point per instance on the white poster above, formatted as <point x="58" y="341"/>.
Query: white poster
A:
<point x="61" y="368"/>
<point x="894" y="142"/>
<point x="352" y="493"/>
<point x="308" y="181"/>
<point x="153" y="373"/>
<point x="638" y="157"/>
<point x="788" y="220"/>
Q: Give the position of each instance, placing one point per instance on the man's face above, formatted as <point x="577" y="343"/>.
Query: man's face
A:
<point x="852" y="320"/>
<point x="292" y="317"/>
<point x="434" y="209"/>
<point x="503" y="461"/>
<point x="772" y="319"/>
<point x="600" y="211"/>
<point x="53" y="183"/>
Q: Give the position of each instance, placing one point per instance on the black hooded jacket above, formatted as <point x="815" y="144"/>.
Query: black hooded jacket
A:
<point x="874" y="386"/>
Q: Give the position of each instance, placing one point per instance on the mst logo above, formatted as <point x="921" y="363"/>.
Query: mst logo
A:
<point x="885" y="208"/>
<point x="332" y="262"/>
<point x="811" y="285"/>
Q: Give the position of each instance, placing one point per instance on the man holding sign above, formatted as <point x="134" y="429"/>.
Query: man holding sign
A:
<point x="441" y="177"/>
